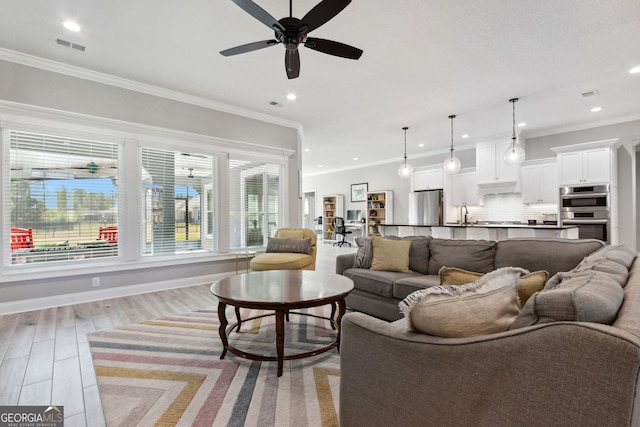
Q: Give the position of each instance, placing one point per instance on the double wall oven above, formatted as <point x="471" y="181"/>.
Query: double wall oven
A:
<point x="588" y="208"/>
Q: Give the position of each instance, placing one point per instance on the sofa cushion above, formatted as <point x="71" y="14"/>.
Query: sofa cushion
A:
<point x="486" y="306"/>
<point x="402" y="288"/>
<point x="472" y="255"/>
<point x="390" y="255"/>
<point x="280" y="261"/>
<point x="585" y="296"/>
<point x="613" y="260"/>
<point x="299" y="246"/>
<point x="527" y="285"/>
<point x="376" y="282"/>
<point x="550" y="254"/>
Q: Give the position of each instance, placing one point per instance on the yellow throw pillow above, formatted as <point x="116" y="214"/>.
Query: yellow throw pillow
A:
<point x="527" y="285"/>
<point x="390" y="255"/>
<point x="530" y="284"/>
<point x="457" y="276"/>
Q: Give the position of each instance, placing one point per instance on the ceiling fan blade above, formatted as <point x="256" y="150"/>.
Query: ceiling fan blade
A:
<point x="292" y="63"/>
<point x="260" y="14"/>
<point x="323" y="12"/>
<point x="250" y="47"/>
<point x="333" y="48"/>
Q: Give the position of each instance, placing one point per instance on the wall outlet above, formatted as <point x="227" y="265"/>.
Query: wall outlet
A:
<point x="95" y="282"/>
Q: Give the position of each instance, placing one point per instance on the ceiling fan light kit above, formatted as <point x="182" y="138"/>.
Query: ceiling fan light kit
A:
<point x="292" y="32"/>
<point x="405" y="170"/>
<point x="514" y="155"/>
<point x="452" y="164"/>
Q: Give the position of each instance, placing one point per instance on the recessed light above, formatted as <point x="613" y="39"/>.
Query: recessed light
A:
<point x="420" y="145"/>
<point x="291" y="96"/>
<point x="635" y="70"/>
<point x="596" y="109"/>
<point x="466" y="135"/>
<point x="71" y="26"/>
<point x="307" y="150"/>
<point x="355" y="158"/>
<point x="521" y="124"/>
<point x="319" y="166"/>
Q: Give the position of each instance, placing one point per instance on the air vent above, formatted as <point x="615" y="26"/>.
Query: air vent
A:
<point x="274" y="103"/>
<point x="590" y="93"/>
<point x="70" y="45"/>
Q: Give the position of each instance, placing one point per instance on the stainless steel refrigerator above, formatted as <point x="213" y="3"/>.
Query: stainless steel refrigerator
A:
<point x="425" y="207"/>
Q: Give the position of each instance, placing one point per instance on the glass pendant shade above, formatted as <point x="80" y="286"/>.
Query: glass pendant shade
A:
<point x="405" y="170"/>
<point x="452" y="164"/>
<point x="514" y="154"/>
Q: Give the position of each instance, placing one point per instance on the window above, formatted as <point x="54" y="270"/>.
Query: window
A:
<point x="62" y="191"/>
<point x="179" y="200"/>
<point x="255" y="199"/>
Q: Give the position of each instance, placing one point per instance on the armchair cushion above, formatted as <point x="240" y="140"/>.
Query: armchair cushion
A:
<point x="299" y="246"/>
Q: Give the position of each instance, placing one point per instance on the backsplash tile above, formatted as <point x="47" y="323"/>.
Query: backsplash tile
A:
<point x="509" y="207"/>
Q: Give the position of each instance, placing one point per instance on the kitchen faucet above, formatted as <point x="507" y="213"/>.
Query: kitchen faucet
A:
<point x="466" y="212"/>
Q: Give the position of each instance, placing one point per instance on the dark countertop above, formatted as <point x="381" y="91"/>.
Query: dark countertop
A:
<point x="490" y="225"/>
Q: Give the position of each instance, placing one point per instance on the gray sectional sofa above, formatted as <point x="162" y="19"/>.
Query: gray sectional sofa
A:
<point x="378" y="292"/>
<point x="570" y="358"/>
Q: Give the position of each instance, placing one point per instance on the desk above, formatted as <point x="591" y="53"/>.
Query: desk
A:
<point x="356" y="228"/>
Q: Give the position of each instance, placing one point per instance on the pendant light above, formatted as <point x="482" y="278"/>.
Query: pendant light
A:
<point x="452" y="164"/>
<point x="405" y="170"/>
<point x="514" y="155"/>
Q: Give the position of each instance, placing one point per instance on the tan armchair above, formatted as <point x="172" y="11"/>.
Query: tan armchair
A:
<point x="288" y="260"/>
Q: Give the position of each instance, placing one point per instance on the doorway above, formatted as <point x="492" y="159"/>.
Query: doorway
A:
<point x="309" y="209"/>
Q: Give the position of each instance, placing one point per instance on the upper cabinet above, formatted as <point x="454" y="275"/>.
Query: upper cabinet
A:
<point x="430" y="178"/>
<point x="540" y="182"/>
<point x="587" y="164"/>
<point x="490" y="165"/>
<point x="464" y="189"/>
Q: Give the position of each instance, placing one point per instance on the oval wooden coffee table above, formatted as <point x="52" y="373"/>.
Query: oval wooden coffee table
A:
<point x="280" y="291"/>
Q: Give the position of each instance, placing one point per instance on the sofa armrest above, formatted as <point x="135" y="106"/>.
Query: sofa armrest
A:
<point x="565" y="373"/>
<point x="344" y="261"/>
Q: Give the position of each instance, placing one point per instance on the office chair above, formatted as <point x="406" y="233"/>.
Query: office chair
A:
<point x="340" y="229"/>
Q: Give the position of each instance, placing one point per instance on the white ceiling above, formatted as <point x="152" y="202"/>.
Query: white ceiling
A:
<point x="423" y="60"/>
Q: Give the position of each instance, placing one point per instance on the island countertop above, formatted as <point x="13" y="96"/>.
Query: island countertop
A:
<point x="490" y="225"/>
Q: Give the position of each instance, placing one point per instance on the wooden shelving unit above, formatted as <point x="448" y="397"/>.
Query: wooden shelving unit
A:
<point x="379" y="210"/>
<point x="332" y="206"/>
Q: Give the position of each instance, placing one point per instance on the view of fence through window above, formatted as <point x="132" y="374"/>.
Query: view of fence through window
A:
<point x="63" y="190"/>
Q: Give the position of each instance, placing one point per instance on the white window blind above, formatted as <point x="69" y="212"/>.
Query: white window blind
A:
<point x="179" y="202"/>
<point x="60" y="193"/>
<point x="255" y="202"/>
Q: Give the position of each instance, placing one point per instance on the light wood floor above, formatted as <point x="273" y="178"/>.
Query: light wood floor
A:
<point x="45" y="357"/>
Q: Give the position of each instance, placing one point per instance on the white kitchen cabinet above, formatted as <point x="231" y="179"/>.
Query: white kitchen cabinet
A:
<point x="540" y="183"/>
<point x="490" y="165"/>
<point x="464" y="189"/>
<point x="428" y="179"/>
<point x="592" y="166"/>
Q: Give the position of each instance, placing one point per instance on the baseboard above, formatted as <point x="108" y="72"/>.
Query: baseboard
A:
<point x="122" y="291"/>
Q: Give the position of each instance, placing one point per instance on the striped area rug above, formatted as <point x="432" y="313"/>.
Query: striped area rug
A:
<point x="168" y="372"/>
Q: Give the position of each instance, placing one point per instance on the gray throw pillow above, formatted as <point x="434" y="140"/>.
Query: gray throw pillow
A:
<point x="364" y="254"/>
<point x="300" y="246"/>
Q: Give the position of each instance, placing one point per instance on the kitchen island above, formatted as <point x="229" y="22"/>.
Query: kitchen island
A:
<point x="482" y="230"/>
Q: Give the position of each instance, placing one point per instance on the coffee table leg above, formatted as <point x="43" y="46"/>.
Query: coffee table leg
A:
<point x="280" y="338"/>
<point x="333" y="314"/>
<point x="223" y="325"/>
<point x="342" y="308"/>
<point x="238" y="318"/>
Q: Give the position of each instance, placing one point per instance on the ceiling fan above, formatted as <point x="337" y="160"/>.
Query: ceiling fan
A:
<point x="291" y="32"/>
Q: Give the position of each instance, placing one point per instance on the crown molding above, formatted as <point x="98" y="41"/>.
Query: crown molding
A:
<point x="95" y="76"/>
